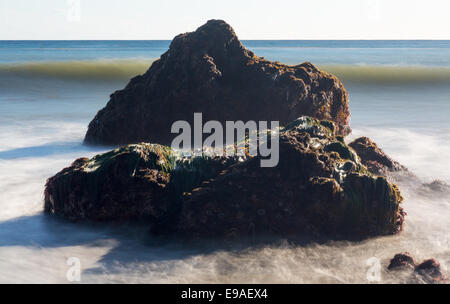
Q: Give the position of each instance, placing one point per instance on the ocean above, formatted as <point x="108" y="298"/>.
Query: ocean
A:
<point x="50" y="90"/>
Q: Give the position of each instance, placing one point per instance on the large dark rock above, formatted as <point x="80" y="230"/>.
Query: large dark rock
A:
<point x="319" y="189"/>
<point x="211" y="72"/>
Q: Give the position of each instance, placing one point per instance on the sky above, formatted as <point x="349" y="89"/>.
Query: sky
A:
<point x="251" y="19"/>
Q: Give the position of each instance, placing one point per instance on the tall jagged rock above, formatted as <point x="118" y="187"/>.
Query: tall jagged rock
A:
<point x="211" y="72"/>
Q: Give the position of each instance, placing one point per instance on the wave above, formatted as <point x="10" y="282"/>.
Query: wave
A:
<point x="395" y="75"/>
<point x="106" y="70"/>
<point x="77" y="70"/>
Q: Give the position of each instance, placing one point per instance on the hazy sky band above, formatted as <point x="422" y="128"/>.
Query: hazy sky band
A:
<point x="263" y="19"/>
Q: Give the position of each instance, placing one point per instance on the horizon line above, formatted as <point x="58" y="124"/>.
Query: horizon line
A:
<point x="266" y="39"/>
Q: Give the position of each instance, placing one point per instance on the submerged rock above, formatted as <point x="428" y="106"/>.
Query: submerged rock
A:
<point x="211" y="72"/>
<point x="319" y="189"/>
<point x="402" y="261"/>
<point x="429" y="271"/>
<point x="436" y="189"/>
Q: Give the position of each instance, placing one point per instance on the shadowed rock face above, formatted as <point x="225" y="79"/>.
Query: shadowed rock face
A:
<point x="376" y="161"/>
<point x="209" y="71"/>
<point x="102" y="188"/>
<point x="379" y="163"/>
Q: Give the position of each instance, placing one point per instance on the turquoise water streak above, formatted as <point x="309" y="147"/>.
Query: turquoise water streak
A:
<point x="371" y="52"/>
<point x="50" y="90"/>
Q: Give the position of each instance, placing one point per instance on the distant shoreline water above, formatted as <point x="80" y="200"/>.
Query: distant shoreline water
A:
<point x="123" y="69"/>
<point x="328" y="52"/>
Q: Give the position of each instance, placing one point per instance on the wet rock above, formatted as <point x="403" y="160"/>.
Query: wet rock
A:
<point x="135" y="182"/>
<point x="319" y="189"/>
<point x="312" y="192"/>
<point x="429" y="271"/>
<point x="376" y="161"/>
<point x="379" y="163"/>
<point x="211" y="72"/>
<point x="402" y="261"/>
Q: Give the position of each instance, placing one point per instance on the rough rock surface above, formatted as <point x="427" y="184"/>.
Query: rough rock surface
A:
<point x="211" y="72"/>
<point x="135" y="182"/>
<point x="429" y="271"/>
<point x="402" y="261"/>
<point x="379" y="163"/>
<point x="376" y="161"/>
<point x="319" y="189"/>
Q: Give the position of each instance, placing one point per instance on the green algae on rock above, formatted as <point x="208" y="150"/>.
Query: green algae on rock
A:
<point x="314" y="191"/>
<point x="374" y="158"/>
<point x="379" y="163"/>
<point x="141" y="181"/>
<point x="319" y="189"/>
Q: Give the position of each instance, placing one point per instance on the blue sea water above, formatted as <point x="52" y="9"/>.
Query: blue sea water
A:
<point x="407" y="71"/>
<point x="49" y="91"/>
<point x="394" y="52"/>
